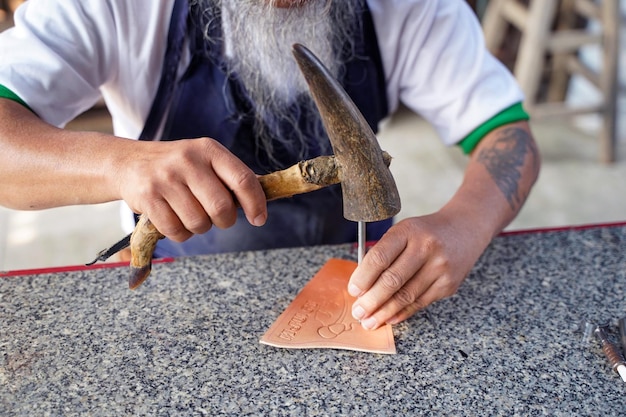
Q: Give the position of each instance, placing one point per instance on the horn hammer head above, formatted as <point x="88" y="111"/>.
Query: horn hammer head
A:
<point x="369" y="190"/>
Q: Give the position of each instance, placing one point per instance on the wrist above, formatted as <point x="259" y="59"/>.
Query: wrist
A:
<point x="481" y="218"/>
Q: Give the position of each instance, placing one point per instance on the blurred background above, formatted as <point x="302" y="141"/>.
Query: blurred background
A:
<point x="577" y="185"/>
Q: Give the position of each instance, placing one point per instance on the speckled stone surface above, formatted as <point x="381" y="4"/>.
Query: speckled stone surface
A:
<point x="187" y="342"/>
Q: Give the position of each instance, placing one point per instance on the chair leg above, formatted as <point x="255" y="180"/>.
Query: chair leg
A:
<point x="559" y="73"/>
<point x="532" y="50"/>
<point x="494" y="26"/>
<point x="530" y="62"/>
<point x="609" y="78"/>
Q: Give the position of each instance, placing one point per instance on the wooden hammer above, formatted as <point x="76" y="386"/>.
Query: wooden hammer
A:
<point x="369" y="191"/>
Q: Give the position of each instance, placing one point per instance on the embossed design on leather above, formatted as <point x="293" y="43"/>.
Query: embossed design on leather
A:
<point x="320" y="317"/>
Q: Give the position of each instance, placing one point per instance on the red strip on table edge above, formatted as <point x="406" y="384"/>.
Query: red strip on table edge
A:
<point x="371" y="243"/>
<point x="72" y="268"/>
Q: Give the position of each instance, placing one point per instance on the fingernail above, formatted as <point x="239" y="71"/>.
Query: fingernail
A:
<point x="358" y="312"/>
<point x="354" y="291"/>
<point x="369" y="323"/>
<point x="259" y="220"/>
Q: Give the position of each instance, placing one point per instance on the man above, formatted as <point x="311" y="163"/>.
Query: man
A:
<point x="219" y="76"/>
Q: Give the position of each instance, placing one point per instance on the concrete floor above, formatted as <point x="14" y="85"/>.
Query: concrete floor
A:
<point x="573" y="189"/>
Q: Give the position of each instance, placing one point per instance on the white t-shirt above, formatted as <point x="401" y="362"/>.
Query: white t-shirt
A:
<point x="63" y="55"/>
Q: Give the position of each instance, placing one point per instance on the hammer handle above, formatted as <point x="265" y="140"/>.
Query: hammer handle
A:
<point x="303" y="177"/>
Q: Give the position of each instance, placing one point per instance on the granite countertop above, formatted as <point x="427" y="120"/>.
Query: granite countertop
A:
<point x="187" y="342"/>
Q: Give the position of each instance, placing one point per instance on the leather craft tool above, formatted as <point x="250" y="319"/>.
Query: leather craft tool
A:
<point x="611" y="351"/>
<point x="369" y="191"/>
<point x="622" y="332"/>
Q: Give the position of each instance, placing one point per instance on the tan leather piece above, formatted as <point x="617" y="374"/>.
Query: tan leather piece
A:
<point x="320" y="317"/>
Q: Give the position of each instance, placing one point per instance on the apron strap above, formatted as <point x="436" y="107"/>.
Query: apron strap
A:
<point x="173" y="52"/>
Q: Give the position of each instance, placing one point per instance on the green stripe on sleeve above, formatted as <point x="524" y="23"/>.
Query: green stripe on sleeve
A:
<point x="6" y="93"/>
<point x="515" y="113"/>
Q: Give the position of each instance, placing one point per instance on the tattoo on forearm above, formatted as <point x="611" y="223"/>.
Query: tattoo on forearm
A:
<point x="505" y="160"/>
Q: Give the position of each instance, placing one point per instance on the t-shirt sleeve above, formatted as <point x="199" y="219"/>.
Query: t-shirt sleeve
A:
<point x="437" y="65"/>
<point x="512" y="114"/>
<point x="54" y="58"/>
<point x="6" y="93"/>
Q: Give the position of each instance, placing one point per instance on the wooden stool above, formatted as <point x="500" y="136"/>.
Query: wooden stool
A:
<point x="550" y="40"/>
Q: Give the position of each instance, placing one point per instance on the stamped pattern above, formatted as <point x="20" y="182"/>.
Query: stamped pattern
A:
<point x="319" y="317"/>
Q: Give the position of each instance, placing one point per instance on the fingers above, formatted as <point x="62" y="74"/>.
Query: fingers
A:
<point x="381" y="274"/>
<point x="375" y="263"/>
<point x="185" y="187"/>
<point x="176" y="226"/>
<point x="185" y="214"/>
<point x="429" y="297"/>
<point x="238" y="178"/>
<point x="407" y="270"/>
<point x="396" y="289"/>
<point x="397" y="309"/>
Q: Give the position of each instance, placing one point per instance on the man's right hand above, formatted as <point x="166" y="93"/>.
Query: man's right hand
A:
<point x="187" y="186"/>
<point x="184" y="187"/>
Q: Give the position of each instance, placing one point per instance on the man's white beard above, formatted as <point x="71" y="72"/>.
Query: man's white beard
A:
<point x="258" y="41"/>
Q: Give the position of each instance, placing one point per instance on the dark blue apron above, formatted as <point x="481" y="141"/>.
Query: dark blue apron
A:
<point x="205" y="102"/>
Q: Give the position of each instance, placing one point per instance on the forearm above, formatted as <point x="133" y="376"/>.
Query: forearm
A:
<point x="183" y="186"/>
<point x="499" y="176"/>
<point x="42" y="166"/>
